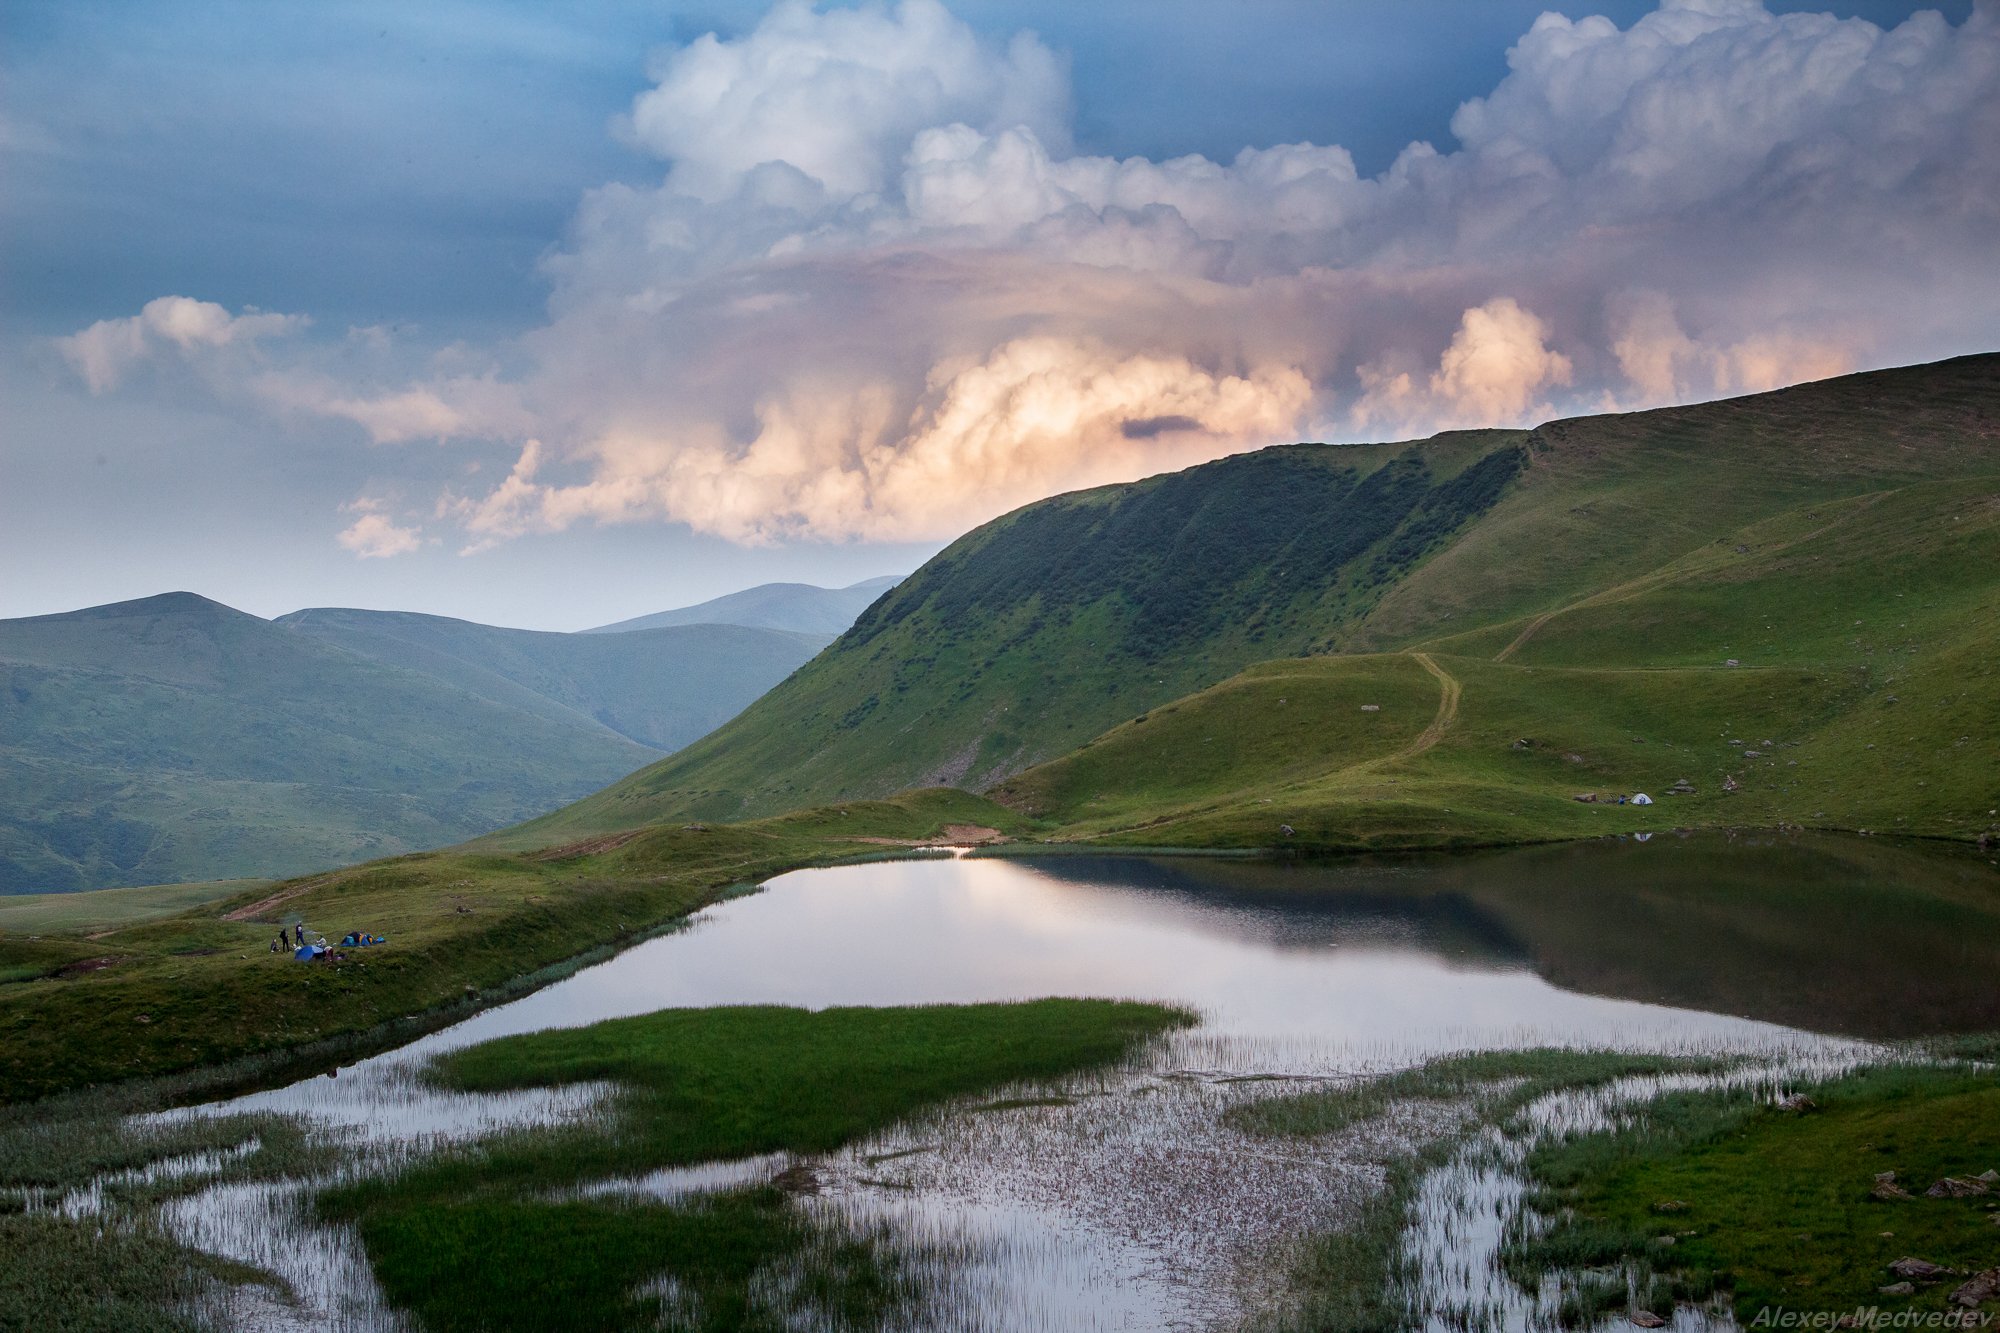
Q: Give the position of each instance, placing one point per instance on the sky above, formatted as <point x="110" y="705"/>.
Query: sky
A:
<point x="550" y="319"/>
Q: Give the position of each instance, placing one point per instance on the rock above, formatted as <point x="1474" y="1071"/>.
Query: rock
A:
<point x="1919" y="1270"/>
<point x="1753" y="754"/>
<point x="1588" y="798"/>
<point x="1956" y="1187"/>
<point x="1647" y="1319"/>
<point x="1574" y="758"/>
<point x="798" y="1178"/>
<point x="1371" y="708"/>
<point x="1732" y="662"/>
<point x="1988" y="1177"/>
<point x="1983" y="1287"/>
<point x="1798" y="1104"/>
<point x="1671" y="1206"/>
<point x="1888" y="1191"/>
<point x="1285" y="829"/>
<point x="1729" y="784"/>
<point x="1898" y="1289"/>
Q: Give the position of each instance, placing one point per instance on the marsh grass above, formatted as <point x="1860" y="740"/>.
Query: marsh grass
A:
<point x="1362" y="1278"/>
<point x="64" y="1275"/>
<point x="482" y="1236"/>
<point x="1701" y="1191"/>
<point x="1500" y="1081"/>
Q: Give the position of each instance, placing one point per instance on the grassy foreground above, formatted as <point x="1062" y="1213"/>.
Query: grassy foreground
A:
<point x="1779" y="1208"/>
<point x="201" y="990"/>
<point x="485" y="1237"/>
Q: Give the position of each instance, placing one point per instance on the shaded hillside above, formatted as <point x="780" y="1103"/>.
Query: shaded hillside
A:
<point x="174" y="738"/>
<point x="801" y="607"/>
<point x="1039" y="630"/>
<point x="659" y="687"/>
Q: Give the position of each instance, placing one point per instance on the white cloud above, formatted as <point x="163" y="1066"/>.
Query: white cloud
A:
<point x="373" y="535"/>
<point x="103" y="353"/>
<point x="838" y="95"/>
<point x="876" y="295"/>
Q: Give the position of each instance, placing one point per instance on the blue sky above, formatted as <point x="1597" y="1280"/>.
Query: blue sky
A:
<point x="412" y="171"/>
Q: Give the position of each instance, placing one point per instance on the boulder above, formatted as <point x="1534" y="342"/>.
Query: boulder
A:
<point x="1956" y="1187"/>
<point x="1898" y="1289"/>
<point x="1919" y="1270"/>
<point x="1983" y="1287"/>
<point x="1588" y="798"/>
<point x="1647" y="1319"/>
<point x="1797" y="1103"/>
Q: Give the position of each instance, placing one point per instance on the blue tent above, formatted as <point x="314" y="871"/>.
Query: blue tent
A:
<point x="308" y="952"/>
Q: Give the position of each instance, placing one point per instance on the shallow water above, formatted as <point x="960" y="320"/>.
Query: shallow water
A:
<point x="1133" y="1205"/>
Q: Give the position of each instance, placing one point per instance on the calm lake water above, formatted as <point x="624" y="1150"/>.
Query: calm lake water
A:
<point x="1133" y="1205"/>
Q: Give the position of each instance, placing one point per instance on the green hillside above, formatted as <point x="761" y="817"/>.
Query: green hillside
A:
<point x="1865" y="693"/>
<point x="659" y="687"/>
<point x="1635" y="554"/>
<point x="173" y="738"/>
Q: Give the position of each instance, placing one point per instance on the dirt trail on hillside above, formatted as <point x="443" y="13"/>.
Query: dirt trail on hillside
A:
<point x="1447" y="713"/>
<point x="1523" y="636"/>
<point x="1664" y="578"/>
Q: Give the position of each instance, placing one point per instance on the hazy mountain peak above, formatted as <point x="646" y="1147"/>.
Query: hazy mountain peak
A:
<point x="803" y="607"/>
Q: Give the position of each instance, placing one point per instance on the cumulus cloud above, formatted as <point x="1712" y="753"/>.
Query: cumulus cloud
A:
<point x="374" y="535"/>
<point x="106" y="351"/>
<point x="876" y="294"/>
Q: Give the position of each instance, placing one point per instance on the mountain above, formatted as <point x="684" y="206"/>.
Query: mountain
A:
<point x="800" y="607"/>
<point x="659" y="687"/>
<point x="1371" y="628"/>
<point x="173" y="738"/>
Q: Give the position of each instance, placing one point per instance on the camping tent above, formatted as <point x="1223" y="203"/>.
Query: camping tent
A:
<point x="1642" y="799"/>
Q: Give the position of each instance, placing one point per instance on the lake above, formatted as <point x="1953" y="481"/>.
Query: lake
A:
<point x="1128" y="1203"/>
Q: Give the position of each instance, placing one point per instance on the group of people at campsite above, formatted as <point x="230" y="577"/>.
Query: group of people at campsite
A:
<point x="296" y="944"/>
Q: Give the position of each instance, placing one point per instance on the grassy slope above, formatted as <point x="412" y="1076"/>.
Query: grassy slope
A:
<point x="198" y="989"/>
<point x="1869" y="692"/>
<point x="105" y="909"/>
<point x="1034" y="633"/>
<point x="661" y="687"/>
<point x="174" y="738"/>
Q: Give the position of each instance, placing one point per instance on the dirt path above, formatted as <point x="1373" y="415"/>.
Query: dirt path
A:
<point x="1447" y="713"/>
<point x="282" y="896"/>
<point x="1670" y="575"/>
<point x="1525" y="635"/>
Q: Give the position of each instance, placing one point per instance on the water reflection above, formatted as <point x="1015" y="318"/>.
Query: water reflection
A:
<point x="1133" y="1203"/>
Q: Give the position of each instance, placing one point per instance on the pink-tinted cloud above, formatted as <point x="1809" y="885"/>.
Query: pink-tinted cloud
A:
<point x="875" y="294"/>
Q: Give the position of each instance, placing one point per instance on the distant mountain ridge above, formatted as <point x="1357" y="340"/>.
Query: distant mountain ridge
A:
<point x="660" y="687"/>
<point x="802" y="607"/>
<point x="175" y="738"/>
